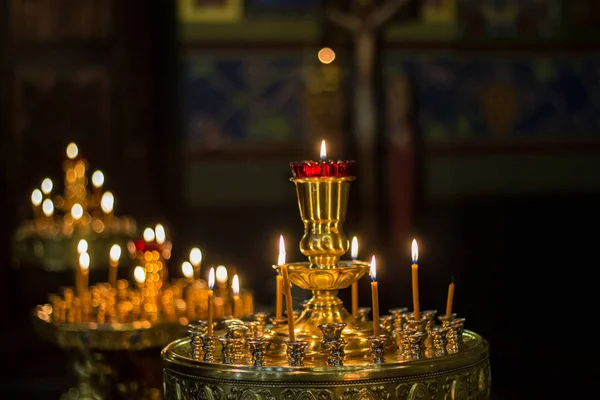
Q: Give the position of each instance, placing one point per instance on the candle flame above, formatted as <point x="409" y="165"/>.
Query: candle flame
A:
<point x="48" y="207"/>
<point x="221" y="274"/>
<point x="82" y="246"/>
<point x="211" y="278"/>
<point x="235" y="285"/>
<point x="281" y="259"/>
<point x="323" y="150"/>
<point x="160" y="234"/>
<point x="148" y="235"/>
<point x="36" y="197"/>
<point x="326" y="55"/>
<point x="195" y="256"/>
<point x="97" y="179"/>
<point x="187" y="269"/>
<point x="107" y="202"/>
<point x="415" y="251"/>
<point x="72" y="150"/>
<point x="84" y="260"/>
<point x="47" y="186"/>
<point x="373" y="269"/>
<point x="115" y="253"/>
<point x="139" y="275"/>
<point x="77" y="211"/>
<point x="354" y="248"/>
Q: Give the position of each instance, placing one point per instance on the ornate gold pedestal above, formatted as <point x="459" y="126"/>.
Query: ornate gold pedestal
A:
<point x="112" y="361"/>
<point x="461" y="376"/>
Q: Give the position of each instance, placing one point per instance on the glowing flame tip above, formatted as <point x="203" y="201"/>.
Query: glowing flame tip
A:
<point x="373" y="269"/>
<point x="415" y="251"/>
<point x="211" y="278"/>
<point x="323" y="150"/>
<point x="354" y="248"/>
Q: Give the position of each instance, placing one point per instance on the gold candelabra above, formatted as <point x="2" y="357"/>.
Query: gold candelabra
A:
<point x="134" y="318"/>
<point x="325" y="352"/>
<point x="85" y="210"/>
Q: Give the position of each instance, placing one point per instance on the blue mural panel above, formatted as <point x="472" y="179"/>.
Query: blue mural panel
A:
<point x="243" y="98"/>
<point x="536" y="97"/>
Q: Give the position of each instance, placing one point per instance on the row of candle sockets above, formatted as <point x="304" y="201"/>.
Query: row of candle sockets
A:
<point x="82" y="208"/>
<point x="183" y="300"/>
<point x="243" y="342"/>
<point x="283" y="288"/>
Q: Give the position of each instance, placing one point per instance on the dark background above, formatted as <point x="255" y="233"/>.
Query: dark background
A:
<point x="507" y="205"/>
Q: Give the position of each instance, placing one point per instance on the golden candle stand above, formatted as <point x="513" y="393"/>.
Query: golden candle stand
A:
<point x="333" y="355"/>
<point x="114" y="332"/>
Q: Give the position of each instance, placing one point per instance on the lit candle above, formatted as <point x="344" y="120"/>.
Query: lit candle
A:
<point x="97" y="180"/>
<point x="221" y="275"/>
<point x="188" y="271"/>
<point x="114" y="255"/>
<point x="211" y="285"/>
<point x="287" y="287"/>
<point x="323" y="153"/>
<point x="148" y="235"/>
<point x="84" y="265"/>
<point x="140" y="277"/>
<point x="235" y="287"/>
<point x="82" y="246"/>
<point x="36" y="200"/>
<point x="77" y="211"/>
<point x="159" y="234"/>
<point x="450" y="298"/>
<point x="196" y="261"/>
<point x="107" y="204"/>
<point x="47" y="186"/>
<point x="415" y="280"/>
<point x="354" y="254"/>
<point x="48" y="208"/>
<point x="279" y="281"/>
<point x="374" y="297"/>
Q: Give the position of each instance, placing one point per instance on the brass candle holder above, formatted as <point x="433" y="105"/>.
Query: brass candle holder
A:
<point x="332" y="354"/>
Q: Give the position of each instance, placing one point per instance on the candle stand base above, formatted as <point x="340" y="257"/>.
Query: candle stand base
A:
<point x="112" y="361"/>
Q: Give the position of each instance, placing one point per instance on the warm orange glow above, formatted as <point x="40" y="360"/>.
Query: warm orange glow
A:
<point x="148" y="235"/>
<point x="84" y="260"/>
<point x="235" y="285"/>
<point x="115" y="253"/>
<point x="48" y="207"/>
<point x="354" y="248"/>
<point x="326" y="55"/>
<point x="160" y="234"/>
<point x="211" y="278"/>
<point x="195" y="257"/>
<point x="415" y="252"/>
<point x="47" y="186"/>
<point x="187" y="269"/>
<point x="281" y="258"/>
<point x="323" y="150"/>
<point x="97" y="179"/>
<point x="36" y="197"/>
<point x="373" y="269"/>
<point x="79" y="169"/>
<point x="72" y="151"/>
<point x="221" y="274"/>
<point x="82" y="246"/>
<point x="139" y="275"/>
<point x="107" y="202"/>
<point x="77" y="211"/>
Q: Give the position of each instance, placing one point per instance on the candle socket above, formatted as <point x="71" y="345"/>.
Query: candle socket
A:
<point x="414" y="344"/>
<point x="377" y="344"/>
<point x="387" y="324"/>
<point x="252" y="329"/>
<point x="363" y="313"/>
<point x="296" y="350"/>
<point x="230" y="349"/>
<point x="209" y="345"/>
<point x="333" y="343"/>
<point x="196" y="331"/>
<point x="440" y="342"/>
<point x="454" y="335"/>
<point x="446" y="319"/>
<point x="399" y="324"/>
<point x="278" y="321"/>
<point x="231" y="325"/>
<point x="261" y="319"/>
<point x="258" y="350"/>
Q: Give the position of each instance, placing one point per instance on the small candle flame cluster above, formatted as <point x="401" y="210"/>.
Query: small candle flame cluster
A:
<point x="152" y="298"/>
<point x="80" y="207"/>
